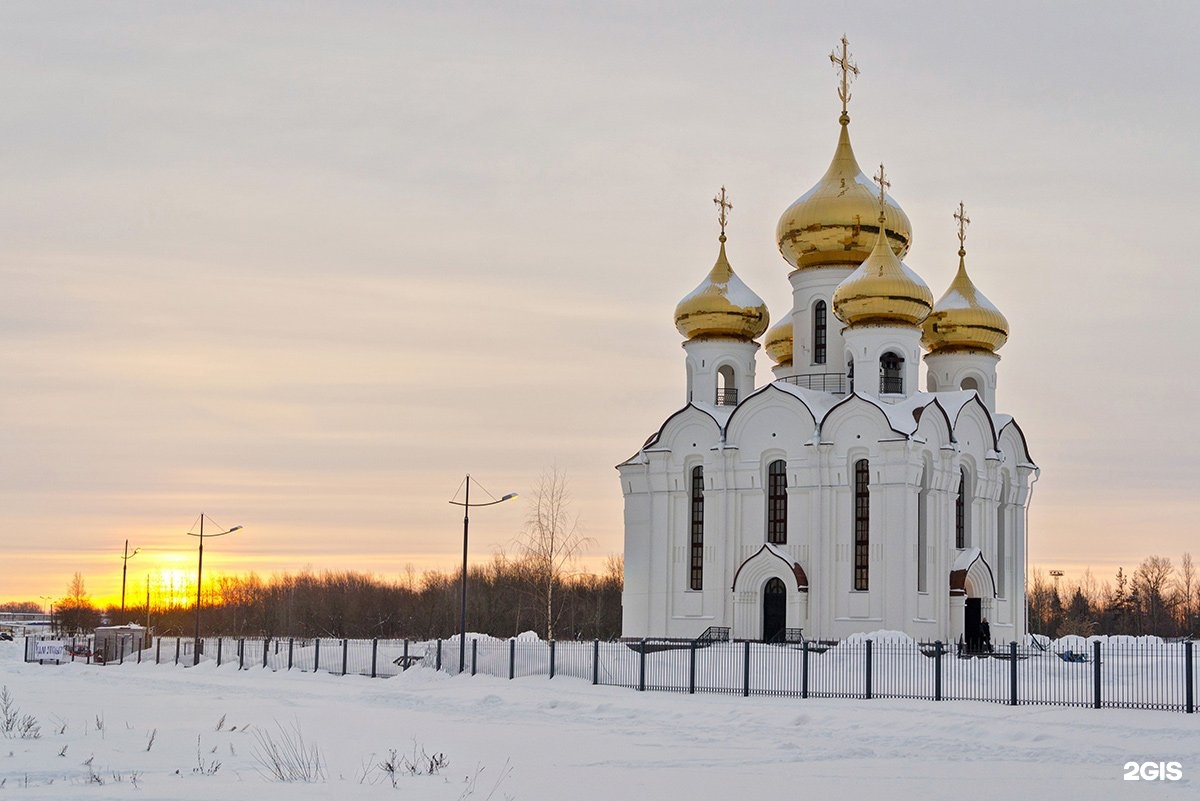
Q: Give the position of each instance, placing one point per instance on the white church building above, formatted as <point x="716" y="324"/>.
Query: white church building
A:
<point x="840" y="497"/>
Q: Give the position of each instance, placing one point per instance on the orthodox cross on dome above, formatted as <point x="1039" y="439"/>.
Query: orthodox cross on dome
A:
<point x="884" y="185"/>
<point x="963" y="222"/>
<point x="723" y="207"/>
<point x="847" y="69"/>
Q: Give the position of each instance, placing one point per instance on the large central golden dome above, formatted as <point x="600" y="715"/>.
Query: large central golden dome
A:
<point x="836" y="222"/>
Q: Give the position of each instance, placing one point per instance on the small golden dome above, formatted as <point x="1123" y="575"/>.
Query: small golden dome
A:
<point x="882" y="291"/>
<point x="722" y="306"/>
<point x="963" y="319"/>
<point x="778" y="342"/>
<point x="835" y="222"/>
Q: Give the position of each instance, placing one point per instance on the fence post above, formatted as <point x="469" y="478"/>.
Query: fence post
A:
<point x="291" y="643"/>
<point x="474" y="654"/>
<point x="937" y="670"/>
<point x="219" y="642"/>
<point x="439" y="654"/>
<point x="1096" y="672"/>
<point x="1012" y="658"/>
<point x="552" y="659"/>
<point x="158" y="652"/>
<point x="266" y="646"/>
<point x="142" y="647"/>
<point x="512" y="658"/>
<point x="746" y="670"/>
<point x="1190" y="681"/>
<point x="642" y="666"/>
<point x="804" y="671"/>
<point x="869" y="660"/>
<point x="404" y="661"/>
<point x="596" y="661"/>
<point x="345" y="654"/>
<point x="692" y="669"/>
<point x="242" y="653"/>
<point x="177" y="650"/>
<point x="374" y="655"/>
<point x="316" y="654"/>
<point x="120" y="650"/>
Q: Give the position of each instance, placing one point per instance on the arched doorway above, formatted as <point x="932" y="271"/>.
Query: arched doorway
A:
<point x="774" y="610"/>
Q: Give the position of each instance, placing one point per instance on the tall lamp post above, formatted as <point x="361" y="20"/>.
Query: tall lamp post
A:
<point x="199" y="579"/>
<point x="124" y="569"/>
<point x="462" y="619"/>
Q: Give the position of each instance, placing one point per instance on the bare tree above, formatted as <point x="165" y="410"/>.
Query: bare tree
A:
<point x="552" y="539"/>
<point x="1187" y="588"/>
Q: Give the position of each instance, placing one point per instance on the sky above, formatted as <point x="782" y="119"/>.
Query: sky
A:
<point x="303" y="266"/>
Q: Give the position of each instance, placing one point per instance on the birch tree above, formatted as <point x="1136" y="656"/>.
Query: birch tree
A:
<point x="552" y="539"/>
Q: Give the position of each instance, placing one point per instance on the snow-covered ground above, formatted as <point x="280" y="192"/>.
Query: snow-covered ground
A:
<point x="166" y="732"/>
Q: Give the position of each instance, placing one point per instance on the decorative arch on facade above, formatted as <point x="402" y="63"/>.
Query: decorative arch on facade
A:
<point x="934" y="425"/>
<point x="1012" y="440"/>
<point x="688" y="415"/>
<point x="975" y="415"/>
<point x="971" y="576"/>
<point x="772" y="399"/>
<point x="769" y="562"/>
<point x="857" y="407"/>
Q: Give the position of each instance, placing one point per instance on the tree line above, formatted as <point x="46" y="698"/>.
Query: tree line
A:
<point x="1157" y="598"/>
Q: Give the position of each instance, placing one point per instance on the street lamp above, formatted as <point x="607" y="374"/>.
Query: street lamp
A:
<point x="199" y="579"/>
<point x="124" y="568"/>
<point x="462" y="619"/>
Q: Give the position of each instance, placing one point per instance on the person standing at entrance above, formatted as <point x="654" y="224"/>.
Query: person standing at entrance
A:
<point x="985" y="635"/>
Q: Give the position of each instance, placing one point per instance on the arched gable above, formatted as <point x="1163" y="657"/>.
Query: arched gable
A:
<point x="770" y="419"/>
<point x="859" y="414"/>
<point x="1013" y="442"/>
<point x="972" y="575"/>
<point x="934" y="425"/>
<point x="973" y="424"/>
<point x="769" y="562"/>
<point x="690" y="416"/>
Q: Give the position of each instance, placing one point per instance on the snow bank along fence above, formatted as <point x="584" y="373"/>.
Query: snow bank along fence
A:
<point x="1140" y="673"/>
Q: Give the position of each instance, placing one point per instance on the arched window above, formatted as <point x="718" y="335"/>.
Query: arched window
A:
<point x="696" y="581"/>
<point x="891" y="373"/>
<point x="777" y="502"/>
<point x="727" y="394"/>
<point x="970" y="383"/>
<point x="819" y="324"/>
<point x="862" y="523"/>
<point x="931" y="382"/>
<point x="850" y="372"/>
<point x="960" y="511"/>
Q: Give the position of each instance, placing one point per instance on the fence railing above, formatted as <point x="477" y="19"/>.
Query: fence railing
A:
<point x="1162" y="676"/>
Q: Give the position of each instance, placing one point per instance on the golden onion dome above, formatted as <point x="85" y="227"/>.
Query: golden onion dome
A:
<point x="963" y="319"/>
<point x="882" y="291"/>
<point x="778" y="342"/>
<point x="835" y="222"/>
<point x="722" y="306"/>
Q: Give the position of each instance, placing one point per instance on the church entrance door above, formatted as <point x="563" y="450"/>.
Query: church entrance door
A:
<point x="971" y="624"/>
<point x="774" y="610"/>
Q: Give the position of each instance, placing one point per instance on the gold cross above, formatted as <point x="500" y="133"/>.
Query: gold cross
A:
<point x="884" y="184"/>
<point x="723" y="207"/>
<point x="963" y="222"/>
<point x="847" y="69"/>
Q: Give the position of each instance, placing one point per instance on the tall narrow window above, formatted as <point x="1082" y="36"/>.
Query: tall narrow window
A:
<point x="862" y="523"/>
<point x="891" y="375"/>
<point x="777" y="502"/>
<point x="696" y="581"/>
<point x="960" y="511"/>
<point x="922" y="535"/>
<point x="819" y="332"/>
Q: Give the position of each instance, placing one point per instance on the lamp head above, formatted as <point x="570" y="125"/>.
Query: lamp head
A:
<point x="509" y="496"/>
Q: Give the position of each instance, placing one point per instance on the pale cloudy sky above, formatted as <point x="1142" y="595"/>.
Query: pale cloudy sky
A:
<point x="303" y="265"/>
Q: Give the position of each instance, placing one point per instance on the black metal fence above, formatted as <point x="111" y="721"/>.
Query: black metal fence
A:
<point x="1117" y="673"/>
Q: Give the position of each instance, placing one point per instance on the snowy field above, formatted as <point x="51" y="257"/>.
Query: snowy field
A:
<point x="166" y="732"/>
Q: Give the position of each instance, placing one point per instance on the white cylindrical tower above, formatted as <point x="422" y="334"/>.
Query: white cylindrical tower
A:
<point x="721" y="319"/>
